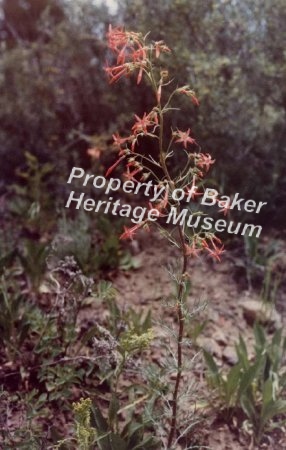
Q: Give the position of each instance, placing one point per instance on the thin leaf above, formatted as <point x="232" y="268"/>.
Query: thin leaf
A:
<point x="248" y="407"/>
<point x="113" y="409"/>
<point x="248" y="377"/>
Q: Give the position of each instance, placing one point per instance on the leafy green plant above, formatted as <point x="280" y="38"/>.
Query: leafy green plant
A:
<point x="121" y="319"/>
<point x="91" y="424"/>
<point x="28" y="434"/>
<point x="129" y="335"/>
<point x="256" y="387"/>
<point x="259" y="266"/>
<point x="33" y="258"/>
<point x="94" y="247"/>
<point x="55" y="332"/>
<point x="92" y="428"/>
<point x="31" y="199"/>
<point x="131" y="437"/>
<point x="14" y="317"/>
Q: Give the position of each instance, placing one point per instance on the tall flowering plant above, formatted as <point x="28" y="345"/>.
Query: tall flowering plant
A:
<point x="135" y="55"/>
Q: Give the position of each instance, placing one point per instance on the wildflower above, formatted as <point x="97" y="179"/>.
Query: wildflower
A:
<point x="124" y="43"/>
<point x="216" y="252"/>
<point x="94" y="152"/>
<point x="189" y="93"/>
<point x="192" y="191"/>
<point x="84" y="432"/>
<point x="132" y="341"/>
<point x="118" y="141"/>
<point x="139" y="55"/>
<point x="140" y="73"/>
<point x="204" y="161"/>
<point x="117" y="72"/>
<point x="130" y="175"/>
<point x="116" y="37"/>
<point x="159" y="93"/>
<point x="145" y="176"/>
<point x="225" y="207"/>
<point x="184" y="137"/>
<point x="111" y="168"/>
<point x="147" y="120"/>
<point x="129" y="232"/>
<point x="192" y="250"/>
<point x="162" y="204"/>
<point x="164" y="201"/>
<point x="215" y="238"/>
<point x="130" y="51"/>
<point x="160" y="46"/>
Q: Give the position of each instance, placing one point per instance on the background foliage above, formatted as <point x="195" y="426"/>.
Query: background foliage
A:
<point x="54" y="91"/>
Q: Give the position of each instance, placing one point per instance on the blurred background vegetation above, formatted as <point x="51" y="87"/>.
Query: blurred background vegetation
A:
<point x="55" y="102"/>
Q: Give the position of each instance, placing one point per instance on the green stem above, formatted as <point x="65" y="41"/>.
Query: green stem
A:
<point x="181" y="320"/>
<point x="180" y="314"/>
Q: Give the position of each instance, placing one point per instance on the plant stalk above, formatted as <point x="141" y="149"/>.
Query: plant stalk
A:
<point x="181" y="320"/>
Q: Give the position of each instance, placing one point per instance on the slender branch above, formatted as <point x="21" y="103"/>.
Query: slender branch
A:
<point x="180" y="313"/>
<point x="181" y="320"/>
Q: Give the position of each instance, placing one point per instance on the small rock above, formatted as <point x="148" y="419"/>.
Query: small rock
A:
<point x="230" y="356"/>
<point x="209" y="345"/>
<point x="222" y="268"/>
<point x="264" y="313"/>
<point x="213" y="316"/>
<point x="220" y="337"/>
<point x="135" y="247"/>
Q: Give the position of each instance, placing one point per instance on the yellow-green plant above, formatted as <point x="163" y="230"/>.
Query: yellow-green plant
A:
<point x="85" y="433"/>
<point x="257" y="387"/>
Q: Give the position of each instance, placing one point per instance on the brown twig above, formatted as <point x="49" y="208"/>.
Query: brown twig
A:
<point x="181" y="320"/>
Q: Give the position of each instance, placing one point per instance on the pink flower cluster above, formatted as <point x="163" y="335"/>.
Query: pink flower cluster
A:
<point x="133" y="55"/>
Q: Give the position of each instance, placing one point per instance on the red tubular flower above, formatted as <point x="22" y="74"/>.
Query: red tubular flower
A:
<point x="192" y="191"/>
<point x="117" y="72"/>
<point x="129" y="232"/>
<point x="116" y="37"/>
<point x="192" y="250"/>
<point x="164" y="202"/>
<point x="204" y="160"/>
<point x="94" y="152"/>
<point x="159" y="93"/>
<point x="226" y="207"/>
<point x="215" y="238"/>
<point x="111" y="168"/>
<point x="120" y="40"/>
<point x="147" y="120"/>
<point x="118" y="141"/>
<point x="195" y="100"/>
<point x="131" y="54"/>
<point x="160" y="46"/>
<point x="130" y="175"/>
<point x="139" y="55"/>
<point x="216" y="252"/>
<point x="189" y="93"/>
<point x="184" y="137"/>
<point x="140" y="73"/>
